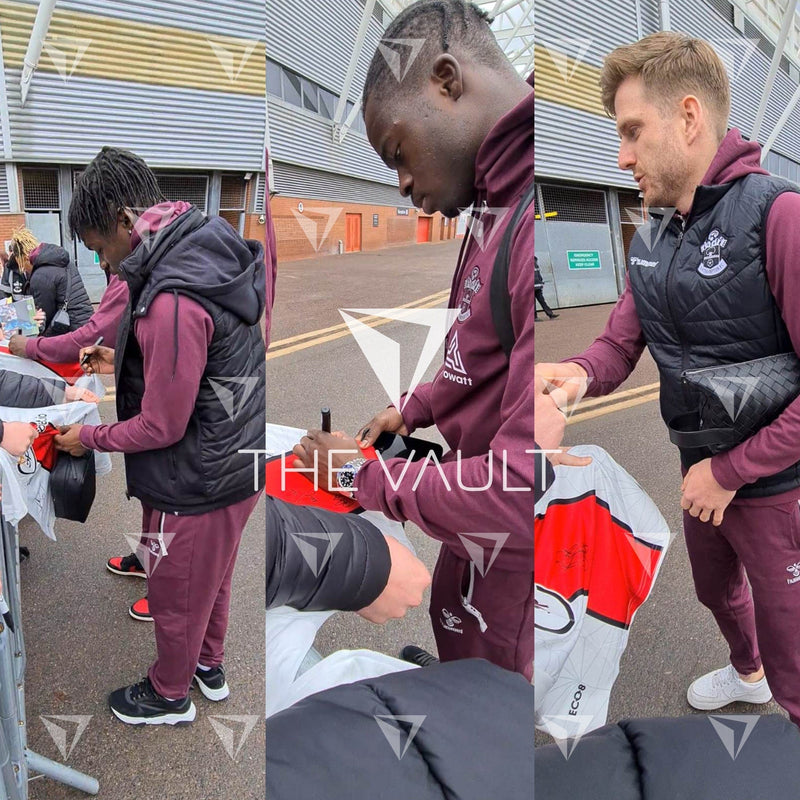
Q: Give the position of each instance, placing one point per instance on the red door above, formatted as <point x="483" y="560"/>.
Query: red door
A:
<point x="352" y="233"/>
<point x="424" y="229"/>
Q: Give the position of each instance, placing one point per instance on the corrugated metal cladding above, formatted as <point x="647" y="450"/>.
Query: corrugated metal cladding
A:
<point x="575" y="145"/>
<point x="317" y="40"/>
<point x="5" y="201"/>
<point x="300" y="182"/>
<point x="303" y="138"/>
<point x="228" y="17"/>
<point x="747" y="68"/>
<point x="167" y="126"/>
<point x="586" y="29"/>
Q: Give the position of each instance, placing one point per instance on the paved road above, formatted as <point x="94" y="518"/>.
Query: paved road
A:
<point x="335" y="373"/>
<point x="673" y="639"/>
<point x="82" y="644"/>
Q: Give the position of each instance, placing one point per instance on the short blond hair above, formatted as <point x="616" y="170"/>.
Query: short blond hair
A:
<point x="671" y="65"/>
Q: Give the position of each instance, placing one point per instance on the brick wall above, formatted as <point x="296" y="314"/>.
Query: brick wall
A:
<point x="304" y="235"/>
<point x="9" y="223"/>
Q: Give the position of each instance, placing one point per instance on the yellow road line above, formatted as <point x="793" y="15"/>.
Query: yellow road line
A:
<point x="610" y="399"/>
<point x="600" y="412"/>
<point x="340" y="331"/>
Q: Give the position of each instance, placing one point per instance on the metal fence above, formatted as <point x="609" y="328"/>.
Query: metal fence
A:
<point x="16" y="760"/>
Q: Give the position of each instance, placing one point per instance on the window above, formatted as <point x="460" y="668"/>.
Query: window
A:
<point x="232" y="200"/>
<point x="310" y="101"/>
<point x="292" y="88"/>
<point x="40" y="189"/>
<point x="191" y="188"/>
<point x="327" y="103"/>
<point x="274" y="78"/>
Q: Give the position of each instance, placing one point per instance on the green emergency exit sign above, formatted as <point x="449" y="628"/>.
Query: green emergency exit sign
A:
<point x="583" y="259"/>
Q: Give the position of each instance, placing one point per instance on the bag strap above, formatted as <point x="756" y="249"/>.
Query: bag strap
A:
<point x="68" y="289"/>
<point x="685" y="431"/>
<point x="499" y="296"/>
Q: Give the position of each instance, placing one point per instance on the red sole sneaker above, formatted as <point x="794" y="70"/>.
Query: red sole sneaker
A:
<point x="141" y="610"/>
<point x="114" y="565"/>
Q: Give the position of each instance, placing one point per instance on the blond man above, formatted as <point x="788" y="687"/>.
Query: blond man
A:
<point x="719" y="285"/>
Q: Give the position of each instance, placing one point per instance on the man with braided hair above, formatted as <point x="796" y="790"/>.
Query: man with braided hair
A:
<point x="193" y="322"/>
<point x="454" y="119"/>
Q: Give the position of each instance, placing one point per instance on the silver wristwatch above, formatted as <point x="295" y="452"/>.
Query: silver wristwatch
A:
<point x="346" y="476"/>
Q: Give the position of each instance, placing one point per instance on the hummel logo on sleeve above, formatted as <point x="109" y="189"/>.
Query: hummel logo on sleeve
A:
<point x="640" y="262"/>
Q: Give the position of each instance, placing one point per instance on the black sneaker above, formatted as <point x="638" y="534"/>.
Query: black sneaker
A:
<point x="212" y="682"/>
<point x="416" y="655"/>
<point x="126" y="565"/>
<point x="141" y="704"/>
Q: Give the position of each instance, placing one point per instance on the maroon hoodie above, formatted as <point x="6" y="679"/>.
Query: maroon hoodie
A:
<point x="104" y="322"/>
<point x="613" y="355"/>
<point x="479" y="400"/>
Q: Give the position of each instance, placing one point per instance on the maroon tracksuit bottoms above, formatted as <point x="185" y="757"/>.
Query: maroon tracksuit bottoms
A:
<point x="761" y="625"/>
<point x="477" y="616"/>
<point x="189" y="589"/>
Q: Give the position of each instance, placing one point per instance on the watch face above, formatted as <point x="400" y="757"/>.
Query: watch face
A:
<point x="346" y="477"/>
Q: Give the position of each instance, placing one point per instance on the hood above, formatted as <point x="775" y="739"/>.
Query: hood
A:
<point x="504" y="164"/>
<point x="201" y="257"/>
<point x="49" y="255"/>
<point x="735" y="158"/>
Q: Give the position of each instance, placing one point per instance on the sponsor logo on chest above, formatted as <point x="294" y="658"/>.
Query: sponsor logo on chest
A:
<point x="713" y="262"/>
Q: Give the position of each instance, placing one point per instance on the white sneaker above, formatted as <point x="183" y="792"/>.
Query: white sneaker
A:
<point x="724" y="686"/>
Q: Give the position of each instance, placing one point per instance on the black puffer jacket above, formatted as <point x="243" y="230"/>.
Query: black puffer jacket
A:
<point x="350" y="555"/>
<point x="52" y="272"/>
<point x="475" y="740"/>
<point x="689" y="758"/>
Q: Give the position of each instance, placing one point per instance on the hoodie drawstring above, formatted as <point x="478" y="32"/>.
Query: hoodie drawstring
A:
<point x="175" y="361"/>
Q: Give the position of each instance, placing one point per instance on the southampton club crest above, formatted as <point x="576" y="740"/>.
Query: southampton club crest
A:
<point x="713" y="262"/>
<point x="472" y="285"/>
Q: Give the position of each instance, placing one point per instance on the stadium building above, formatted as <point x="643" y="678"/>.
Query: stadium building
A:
<point x="181" y="84"/>
<point x="587" y="207"/>
<point x="331" y="192"/>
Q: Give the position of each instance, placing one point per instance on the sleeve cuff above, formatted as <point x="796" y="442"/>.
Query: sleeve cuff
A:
<point x="31" y="350"/>
<point x="725" y="473"/>
<point x="87" y="437"/>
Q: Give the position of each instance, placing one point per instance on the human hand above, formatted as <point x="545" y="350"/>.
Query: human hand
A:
<point x="566" y="383"/>
<point x="68" y="440"/>
<point x="408" y="580"/>
<point x="40" y="317"/>
<point x="16" y="344"/>
<point x="73" y="393"/>
<point x="389" y="420"/>
<point x="101" y="360"/>
<point x="323" y="444"/>
<point x="18" y="437"/>
<point x="702" y="496"/>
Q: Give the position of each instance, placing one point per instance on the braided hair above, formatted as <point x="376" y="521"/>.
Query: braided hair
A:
<point x="114" y="179"/>
<point x="23" y="242"/>
<point x="441" y="24"/>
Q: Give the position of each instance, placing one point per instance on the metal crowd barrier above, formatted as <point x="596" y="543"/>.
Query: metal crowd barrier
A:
<point x="16" y="759"/>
